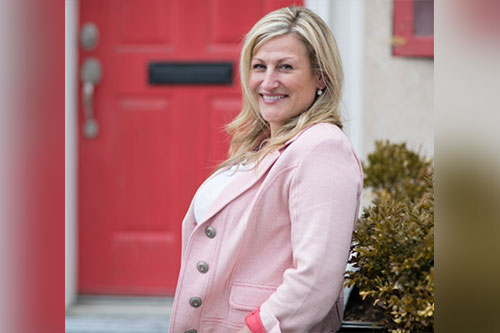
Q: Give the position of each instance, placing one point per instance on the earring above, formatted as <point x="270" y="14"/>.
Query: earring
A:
<point x="319" y="92"/>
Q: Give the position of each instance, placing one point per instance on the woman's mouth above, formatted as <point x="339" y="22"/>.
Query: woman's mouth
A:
<point x="272" y="98"/>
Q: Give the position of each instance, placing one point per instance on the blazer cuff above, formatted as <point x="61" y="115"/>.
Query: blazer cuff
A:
<point x="269" y="321"/>
<point x="254" y="323"/>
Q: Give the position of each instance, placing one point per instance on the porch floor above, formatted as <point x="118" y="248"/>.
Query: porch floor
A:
<point x="117" y="314"/>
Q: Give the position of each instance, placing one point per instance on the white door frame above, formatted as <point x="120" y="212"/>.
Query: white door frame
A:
<point x="71" y="150"/>
<point x="346" y="20"/>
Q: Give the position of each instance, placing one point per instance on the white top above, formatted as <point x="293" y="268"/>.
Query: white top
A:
<point x="210" y="189"/>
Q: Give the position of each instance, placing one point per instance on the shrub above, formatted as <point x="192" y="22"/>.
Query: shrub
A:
<point x="395" y="170"/>
<point x="393" y="244"/>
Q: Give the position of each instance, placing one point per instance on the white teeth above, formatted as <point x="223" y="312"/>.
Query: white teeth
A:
<point x="271" y="98"/>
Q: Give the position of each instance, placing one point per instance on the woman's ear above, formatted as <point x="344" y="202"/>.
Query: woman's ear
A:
<point x="321" y="84"/>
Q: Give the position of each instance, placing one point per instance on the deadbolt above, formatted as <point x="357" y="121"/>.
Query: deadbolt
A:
<point x="89" y="36"/>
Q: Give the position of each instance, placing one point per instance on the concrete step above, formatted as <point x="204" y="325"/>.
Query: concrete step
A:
<point x="117" y="314"/>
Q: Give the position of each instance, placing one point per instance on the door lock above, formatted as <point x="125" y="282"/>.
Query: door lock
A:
<point x="89" y="36"/>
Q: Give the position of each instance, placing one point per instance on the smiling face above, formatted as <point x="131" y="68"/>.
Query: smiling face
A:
<point x="282" y="80"/>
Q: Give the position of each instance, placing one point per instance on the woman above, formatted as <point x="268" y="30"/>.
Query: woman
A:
<point x="266" y="238"/>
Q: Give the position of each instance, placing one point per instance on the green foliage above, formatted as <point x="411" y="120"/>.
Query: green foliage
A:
<point x="394" y="240"/>
<point x="394" y="169"/>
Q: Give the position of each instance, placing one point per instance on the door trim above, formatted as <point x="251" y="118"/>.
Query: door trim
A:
<point x="71" y="150"/>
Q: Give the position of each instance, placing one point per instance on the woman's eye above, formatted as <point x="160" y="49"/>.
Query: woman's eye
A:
<point x="258" y="66"/>
<point x="286" y="66"/>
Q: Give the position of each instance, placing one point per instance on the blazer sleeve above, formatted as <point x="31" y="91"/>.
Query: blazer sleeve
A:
<point x="323" y="202"/>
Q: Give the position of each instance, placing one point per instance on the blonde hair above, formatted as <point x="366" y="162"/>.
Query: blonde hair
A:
<point x="250" y="133"/>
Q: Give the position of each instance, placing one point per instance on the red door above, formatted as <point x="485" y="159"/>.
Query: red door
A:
<point x="156" y="142"/>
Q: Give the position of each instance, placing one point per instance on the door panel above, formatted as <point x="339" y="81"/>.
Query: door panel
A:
<point x="156" y="143"/>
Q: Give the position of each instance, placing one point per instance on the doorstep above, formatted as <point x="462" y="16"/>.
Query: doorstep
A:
<point x="118" y="314"/>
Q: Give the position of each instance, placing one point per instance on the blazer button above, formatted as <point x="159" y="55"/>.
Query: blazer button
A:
<point x="195" y="302"/>
<point x="191" y="331"/>
<point x="210" y="231"/>
<point x="202" y="267"/>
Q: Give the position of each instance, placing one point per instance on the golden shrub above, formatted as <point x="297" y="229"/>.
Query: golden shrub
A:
<point x="393" y="244"/>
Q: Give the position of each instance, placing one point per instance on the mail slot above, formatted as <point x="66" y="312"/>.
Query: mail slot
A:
<point x="168" y="73"/>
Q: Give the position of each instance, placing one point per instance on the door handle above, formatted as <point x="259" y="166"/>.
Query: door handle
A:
<point x="90" y="76"/>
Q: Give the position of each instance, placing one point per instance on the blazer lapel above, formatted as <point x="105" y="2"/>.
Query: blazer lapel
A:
<point x="243" y="182"/>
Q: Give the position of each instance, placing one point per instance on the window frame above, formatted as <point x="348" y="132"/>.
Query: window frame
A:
<point x="405" y="43"/>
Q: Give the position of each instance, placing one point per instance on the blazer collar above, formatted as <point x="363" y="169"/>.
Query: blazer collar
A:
<point x="244" y="181"/>
<point x="241" y="183"/>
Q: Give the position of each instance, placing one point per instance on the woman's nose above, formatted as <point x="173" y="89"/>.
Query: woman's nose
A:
<point x="270" y="80"/>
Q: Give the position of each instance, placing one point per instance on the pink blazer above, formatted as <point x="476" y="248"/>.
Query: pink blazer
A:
<point x="278" y="238"/>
